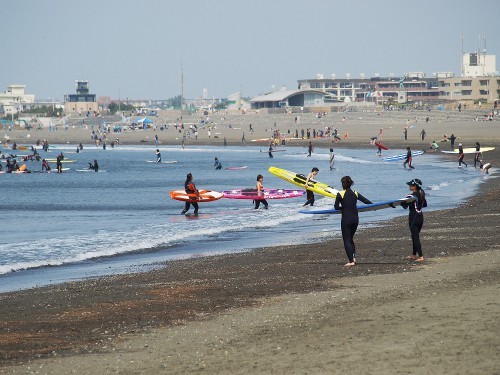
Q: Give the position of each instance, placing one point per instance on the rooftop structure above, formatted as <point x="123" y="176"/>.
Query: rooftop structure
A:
<point x="82" y="101"/>
<point x="14" y="100"/>
<point x="289" y="98"/>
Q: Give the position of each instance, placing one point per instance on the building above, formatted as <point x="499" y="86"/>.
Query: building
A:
<point x="289" y="98"/>
<point x="14" y="100"/>
<point x="480" y="81"/>
<point x="82" y="102"/>
<point x="410" y="87"/>
<point x="236" y="103"/>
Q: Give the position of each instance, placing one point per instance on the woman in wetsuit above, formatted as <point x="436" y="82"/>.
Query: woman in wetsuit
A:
<point x="408" y="159"/>
<point x="416" y="217"/>
<point x="190" y="188"/>
<point x="346" y="202"/>
<point x="260" y="193"/>
<point x="461" y="156"/>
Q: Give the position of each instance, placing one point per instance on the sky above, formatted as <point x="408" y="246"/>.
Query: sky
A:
<point x="135" y="48"/>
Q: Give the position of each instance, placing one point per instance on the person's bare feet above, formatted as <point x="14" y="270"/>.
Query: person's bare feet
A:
<point x="420" y="259"/>
<point x="350" y="264"/>
<point x="412" y="257"/>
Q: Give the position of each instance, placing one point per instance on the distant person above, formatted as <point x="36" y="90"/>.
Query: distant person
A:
<point x="156" y="140"/>
<point x="45" y="166"/>
<point x="434" y="146"/>
<point x="332" y="159"/>
<point x="405" y="132"/>
<point x="310" y="149"/>
<point x="310" y="194"/>
<point x="260" y="193"/>
<point x="408" y="159"/>
<point x="190" y="188"/>
<point x="95" y="166"/>
<point x="485" y="168"/>
<point x="461" y="155"/>
<point x="346" y="201"/>
<point x="452" y="138"/>
<point x="477" y="155"/>
<point x="270" y="152"/>
<point x="217" y="164"/>
<point x="422" y="134"/>
<point x="158" y="156"/>
<point x="416" y="217"/>
<point x="59" y="164"/>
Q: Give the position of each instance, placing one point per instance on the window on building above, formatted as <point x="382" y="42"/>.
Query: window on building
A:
<point x="484" y="82"/>
<point x="467" y="83"/>
<point x="484" y="92"/>
<point x="458" y="84"/>
<point x="466" y="92"/>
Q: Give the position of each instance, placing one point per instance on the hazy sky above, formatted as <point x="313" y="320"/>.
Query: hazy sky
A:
<point x="135" y="49"/>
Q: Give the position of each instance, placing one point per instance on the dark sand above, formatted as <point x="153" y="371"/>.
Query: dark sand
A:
<point x="292" y="309"/>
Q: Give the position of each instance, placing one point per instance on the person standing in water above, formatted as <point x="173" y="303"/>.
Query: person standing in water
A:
<point x="190" y="188"/>
<point x="217" y="164"/>
<point x="408" y="159"/>
<point x="59" y="164"/>
<point x="260" y="193"/>
<point x="477" y="155"/>
<point x="332" y="159"/>
<point x="158" y="156"/>
<point x="310" y="149"/>
<point x="271" y="150"/>
<point x="461" y="155"/>
<point x="416" y="217"/>
<point x="346" y="201"/>
<point x="310" y="194"/>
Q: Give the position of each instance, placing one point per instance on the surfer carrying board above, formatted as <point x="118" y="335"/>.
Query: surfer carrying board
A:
<point x="190" y="188"/>
<point x="346" y="202"/>
<point x="310" y="194"/>
<point x="416" y="217"/>
<point x="260" y="193"/>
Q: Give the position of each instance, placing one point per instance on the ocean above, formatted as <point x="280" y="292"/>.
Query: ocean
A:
<point x="70" y="226"/>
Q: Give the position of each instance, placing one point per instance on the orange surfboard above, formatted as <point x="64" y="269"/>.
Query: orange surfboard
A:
<point x="204" y="196"/>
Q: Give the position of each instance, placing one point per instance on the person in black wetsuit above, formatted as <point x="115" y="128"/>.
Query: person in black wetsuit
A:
<point x="346" y="202"/>
<point x="416" y="217"/>
<point x="408" y="159"/>
<point x="477" y="156"/>
<point x="461" y="155"/>
<point x="217" y="164"/>
<point x="310" y="194"/>
<point x="190" y="188"/>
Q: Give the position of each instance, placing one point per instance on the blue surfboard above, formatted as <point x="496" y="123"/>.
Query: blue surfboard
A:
<point x="365" y="207"/>
<point x="402" y="156"/>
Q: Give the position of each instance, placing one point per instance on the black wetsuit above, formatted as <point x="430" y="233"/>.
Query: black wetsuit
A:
<point x="190" y="189"/>
<point x="416" y="219"/>
<point x="408" y="160"/>
<point x="477" y="156"/>
<point x="461" y="156"/>
<point x="346" y="201"/>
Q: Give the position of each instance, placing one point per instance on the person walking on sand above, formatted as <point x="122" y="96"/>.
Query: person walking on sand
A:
<point x="405" y="132"/>
<point x="346" y="201"/>
<point x="416" y="217"/>
<point x="260" y="193"/>
<point x="332" y="159"/>
<point x="461" y="155"/>
<point x="422" y="134"/>
<point x="310" y="194"/>
<point x="190" y="188"/>
<point x="408" y="159"/>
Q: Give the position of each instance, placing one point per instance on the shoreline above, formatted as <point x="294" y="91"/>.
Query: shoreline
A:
<point x="80" y="324"/>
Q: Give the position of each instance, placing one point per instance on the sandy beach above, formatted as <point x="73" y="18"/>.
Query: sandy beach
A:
<point x="286" y="309"/>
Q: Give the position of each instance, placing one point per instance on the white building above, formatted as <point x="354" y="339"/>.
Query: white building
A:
<point x="478" y="64"/>
<point x="14" y="100"/>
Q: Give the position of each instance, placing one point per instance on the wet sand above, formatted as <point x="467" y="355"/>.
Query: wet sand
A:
<point x="292" y="309"/>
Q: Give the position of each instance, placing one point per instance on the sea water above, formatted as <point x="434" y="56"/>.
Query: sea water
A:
<point x="69" y="226"/>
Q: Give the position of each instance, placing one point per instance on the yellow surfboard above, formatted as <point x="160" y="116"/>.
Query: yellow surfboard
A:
<point x="300" y="180"/>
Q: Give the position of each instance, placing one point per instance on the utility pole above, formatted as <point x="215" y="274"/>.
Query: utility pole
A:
<point x="182" y="89"/>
